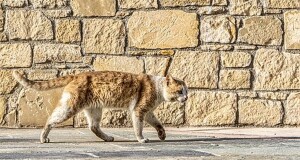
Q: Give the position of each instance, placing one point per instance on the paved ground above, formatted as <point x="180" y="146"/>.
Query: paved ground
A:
<point x="181" y="143"/>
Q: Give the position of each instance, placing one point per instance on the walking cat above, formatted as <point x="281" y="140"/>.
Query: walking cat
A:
<point x="93" y="91"/>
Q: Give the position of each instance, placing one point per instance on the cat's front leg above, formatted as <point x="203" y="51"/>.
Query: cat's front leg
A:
<point x="154" y="122"/>
<point x="137" y="121"/>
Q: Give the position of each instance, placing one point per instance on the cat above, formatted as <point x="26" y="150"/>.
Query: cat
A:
<point x="93" y="91"/>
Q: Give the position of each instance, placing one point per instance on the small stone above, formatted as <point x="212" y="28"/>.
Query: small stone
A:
<point x="292" y="109"/>
<point x="3" y="37"/>
<point x="273" y="95"/>
<point x="282" y="3"/>
<point x="28" y="25"/>
<point x="260" y="112"/>
<point x="216" y="47"/>
<point x="152" y="53"/>
<point x="104" y="36"/>
<point x="58" y="13"/>
<point x="36" y="107"/>
<point x="11" y="119"/>
<point x="42" y="74"/>
<point x="57" y="53"/>
<point x="170" y="113"/>
<point x="211" y="108"/>
<point x="156" y="65"/>
<point x="177" y="29"/>
<point x="272" y="11"/>
<point x="247" y="94"/>
<point x="234" y="79"/>
<point x="235" y="59"/>
<point x="219" y="2"/>
<point x="89" y="8"/>
<point x="292" y="33"/>
<point x="174" y="3"/>
<point x="220" y="29"/>
<point x="15" y="55"/>
<point x="15" y="3"/>
<point x="275" y="70"/>
<point x="124" y="64"/>
<point x="244" y="47"/>
<point x="7" y="83"/>
<point x="211" y="10"/>
<point x="245" y="7"/>
<point x="67" y="31"/>
<point x="138" y="4"/>
<point x="49" y="3"/>
<point x="256" y="30"/>
<point x="196" y="68"/>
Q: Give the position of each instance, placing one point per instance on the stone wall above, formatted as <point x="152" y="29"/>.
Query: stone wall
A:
<point x="240" y="58"/>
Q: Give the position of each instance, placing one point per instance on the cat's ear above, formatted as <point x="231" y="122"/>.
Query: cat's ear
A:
<point x="169" y="79"/>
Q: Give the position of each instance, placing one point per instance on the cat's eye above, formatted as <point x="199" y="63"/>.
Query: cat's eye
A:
<point x="180" y="92"/>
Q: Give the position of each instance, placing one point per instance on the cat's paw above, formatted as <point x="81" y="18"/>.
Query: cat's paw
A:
<point x="145" y="140"/>
<point x="45" y="140"/>
<point x="161" y="134"/>
<point x="109" y="139"/>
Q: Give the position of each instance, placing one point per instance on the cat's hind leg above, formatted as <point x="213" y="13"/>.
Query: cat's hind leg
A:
<point x="154" y="122"/>
<point x="94" y="115"/>
<point x="64" y="111"/>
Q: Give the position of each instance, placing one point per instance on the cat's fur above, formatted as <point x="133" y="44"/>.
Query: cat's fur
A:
<point x="93" y="91"/>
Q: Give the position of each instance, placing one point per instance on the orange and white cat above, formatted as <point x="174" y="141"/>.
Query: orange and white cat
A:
<point x="93" y="91"/>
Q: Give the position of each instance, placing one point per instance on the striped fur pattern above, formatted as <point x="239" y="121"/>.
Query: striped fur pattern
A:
<point x="93" y="91"/>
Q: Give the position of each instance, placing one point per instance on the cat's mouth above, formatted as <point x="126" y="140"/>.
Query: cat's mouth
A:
<point x="182" y="99"/>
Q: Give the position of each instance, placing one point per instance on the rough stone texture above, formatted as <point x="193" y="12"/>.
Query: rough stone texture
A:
<point x="272" y="11"/>
<point x="282" y="3"/>
<point x="152" y="53"/>
<point x="216" y="47"/>
<point x="3" y="105"/>
<point x="125" y="64"/>
<point x="211" y="108"/>
<point x="106" y="36"/>
<point x="156" y="66"/>
<point x="11" y="119"/>
<point x="42" y="74"/>
<point x="245" y="47"/>
<point x="14" y="3"/>
<point x="292" y="29"/>
<point x="7" y="83"/>
<point x="56" y="53"/>
<point x="234" y="79"/>
<point x="15" y="55"/>
<point x="170" y="113"/>
<point x="67" y="31"/>
<point x="220" y="29"/>
<point x="211" y="10"/>
<point x="174" y="3"/>
<point x="35" y="107"/>
<point x="245" y="7"/>
<point x="219" y="2"/>
<point x="58" y="13"/>
<point x="177" y="29"/>
<point x="273" y="95"/>
<point x="48" y="3"/>
<point x="88" y="8"/>
<point x="28" y="25"/>
<point x="197" y="69"/>
<point x="137" y="4"/>
<point x="260" y="112"/>
<point x="235" y="59"/>
<point x="292" y="109"/>
<point x="3" y="37"/>
<point x="261" y="30"/>
<point x="276" y="71"/>
<point x="248" y="94"/>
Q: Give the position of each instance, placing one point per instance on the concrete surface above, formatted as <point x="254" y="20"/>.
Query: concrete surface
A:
<point x="181" y="143"/>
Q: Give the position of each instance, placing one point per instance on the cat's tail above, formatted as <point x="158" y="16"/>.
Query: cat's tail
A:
<point x="43" y="85"/>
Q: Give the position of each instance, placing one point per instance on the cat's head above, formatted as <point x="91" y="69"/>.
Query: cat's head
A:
<point x="175" y="90"/>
